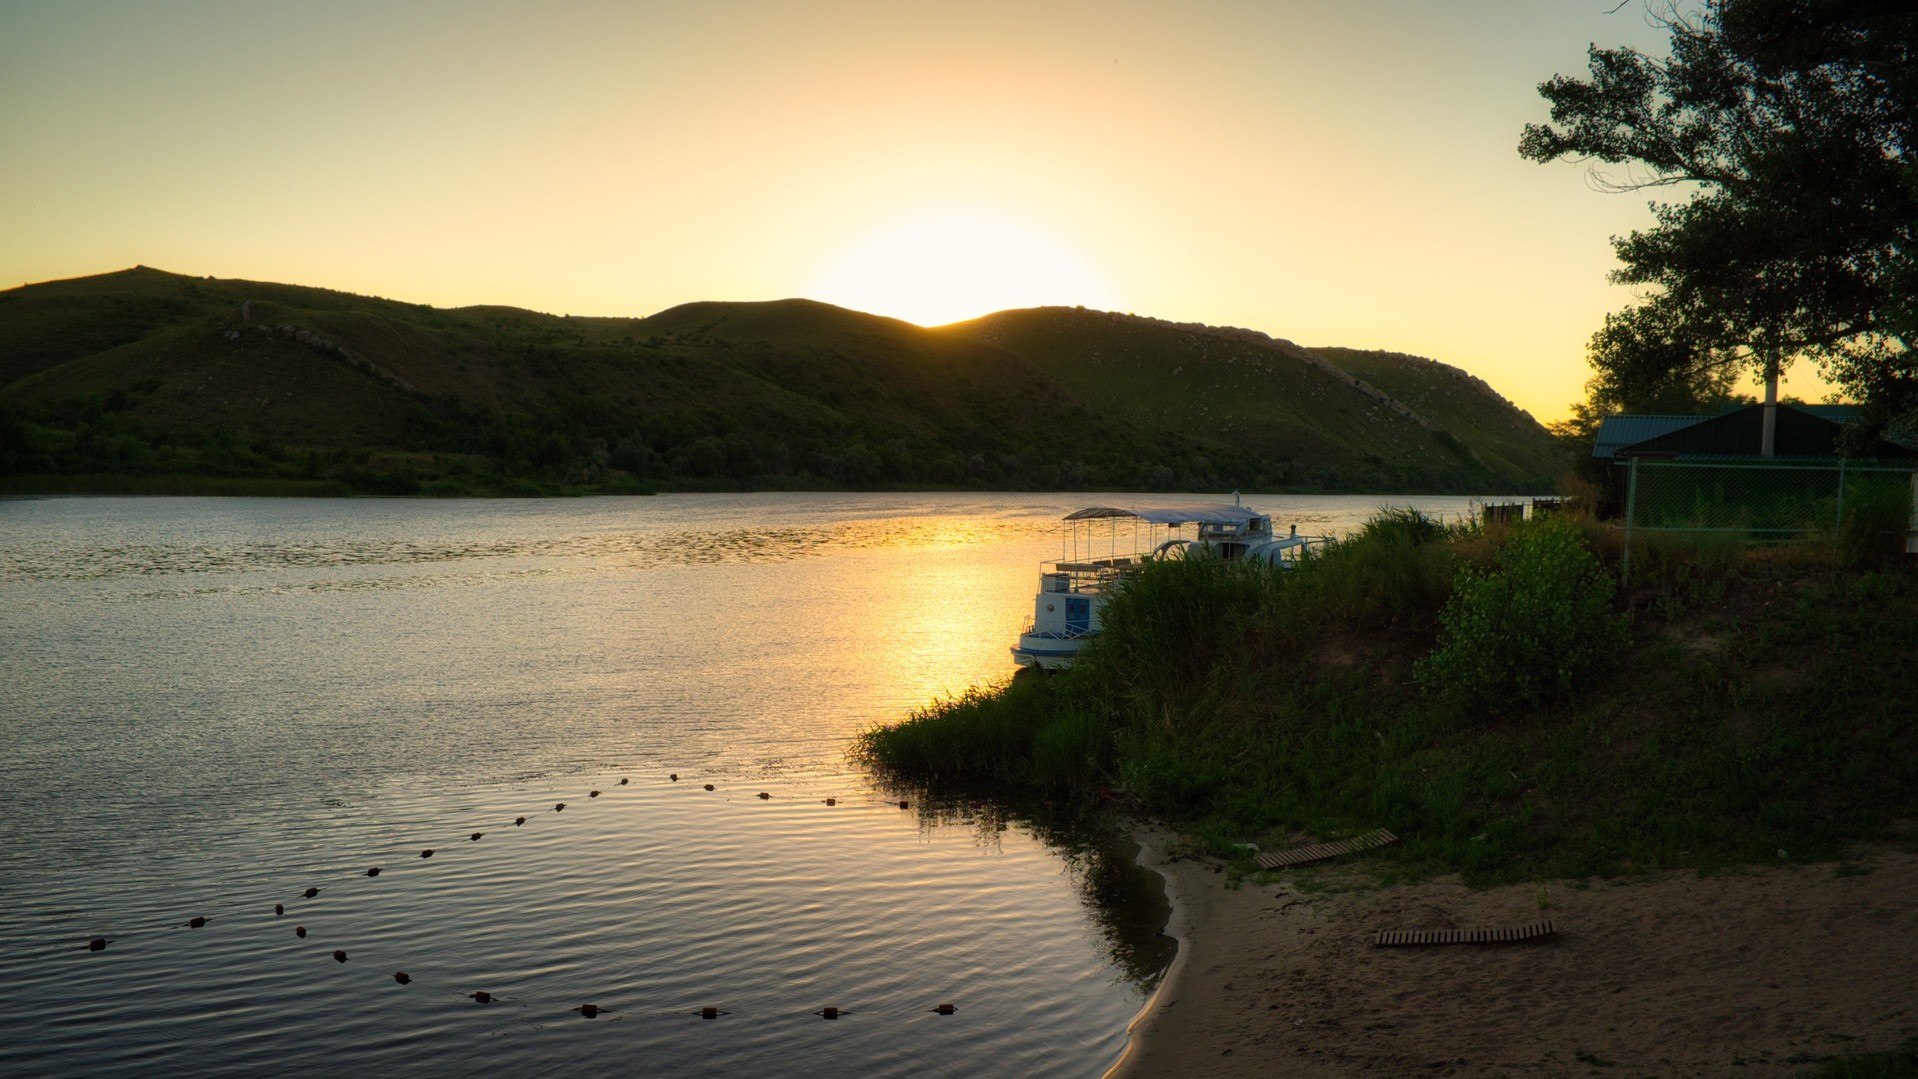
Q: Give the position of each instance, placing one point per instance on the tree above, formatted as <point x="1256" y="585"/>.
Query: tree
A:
<point x="1785" y="130"/>
<point x="1644" y="360"/>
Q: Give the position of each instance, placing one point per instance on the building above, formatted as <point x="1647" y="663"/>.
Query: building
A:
<point x="1766" y="477"/>
<point x="1801" y="432"/>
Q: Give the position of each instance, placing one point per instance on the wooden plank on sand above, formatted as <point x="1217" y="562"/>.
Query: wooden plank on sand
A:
<point x="1319" y="852"/>
<point x="1398" y="938"/>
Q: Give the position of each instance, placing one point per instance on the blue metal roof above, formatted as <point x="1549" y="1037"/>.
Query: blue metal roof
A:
<point x="1617" y="432"/>
<point x="1802" y="431"/>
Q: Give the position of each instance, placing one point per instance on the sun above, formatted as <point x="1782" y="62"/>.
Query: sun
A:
<point x="938" y="268"/>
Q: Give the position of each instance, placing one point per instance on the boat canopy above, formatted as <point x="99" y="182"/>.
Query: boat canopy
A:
<point x="1208" y="514"/>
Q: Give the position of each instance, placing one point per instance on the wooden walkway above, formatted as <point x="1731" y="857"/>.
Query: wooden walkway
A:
<point x="1391" y="938"/>
<point x="1319" y="852"/>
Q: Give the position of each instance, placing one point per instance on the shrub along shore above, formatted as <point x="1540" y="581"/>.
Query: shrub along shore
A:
<point x="1488" y="694"/>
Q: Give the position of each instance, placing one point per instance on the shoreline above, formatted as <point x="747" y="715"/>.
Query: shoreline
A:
<point x="1153" y="842"/>
<point x="1774" y="968"/>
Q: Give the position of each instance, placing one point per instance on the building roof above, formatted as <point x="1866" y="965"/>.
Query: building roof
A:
<point x="1617" y="432"/>
<point x="1800" y="432"/>
<point x="1834" y="413"/>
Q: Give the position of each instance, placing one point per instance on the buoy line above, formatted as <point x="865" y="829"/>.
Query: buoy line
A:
<point x="400" y="977"/>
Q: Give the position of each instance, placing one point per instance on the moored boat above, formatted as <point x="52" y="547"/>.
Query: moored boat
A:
<point x="1104" y="543"/>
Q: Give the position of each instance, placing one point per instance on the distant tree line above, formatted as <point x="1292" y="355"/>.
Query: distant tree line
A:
<point x="586" y="445"/>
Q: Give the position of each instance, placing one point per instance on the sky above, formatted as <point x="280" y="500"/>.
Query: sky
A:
<point x="1333" y="172"/>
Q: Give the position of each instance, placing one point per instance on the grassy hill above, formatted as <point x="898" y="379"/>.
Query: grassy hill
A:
<point x="1378" y="419"/>
<point x="143" y="373"/>
<point x="1496" y="431"/>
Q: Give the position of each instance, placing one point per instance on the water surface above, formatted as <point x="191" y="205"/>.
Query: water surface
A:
<point x="214" y="704"/>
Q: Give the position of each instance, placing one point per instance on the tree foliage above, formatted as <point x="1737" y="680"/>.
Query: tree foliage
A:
<point x="1782" y="132"/>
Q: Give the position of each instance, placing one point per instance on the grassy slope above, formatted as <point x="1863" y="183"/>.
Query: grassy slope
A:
<point x="382" y="370"/>
<point x="1504" y="436"/>
<point x="1761" y="712"/>
<point x="816" y="390"/>
<point x="492" y="359"/>
<point x="1229" y="386"/>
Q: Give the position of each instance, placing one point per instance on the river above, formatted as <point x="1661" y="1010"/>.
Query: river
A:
<point x="213" y="705"/>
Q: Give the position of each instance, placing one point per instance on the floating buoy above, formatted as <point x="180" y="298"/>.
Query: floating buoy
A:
<point x="559" y="807"/>
<point x="832" y="801"/>
<point x="97" y="944"/>
<point x="483" y="997"/>
<point x="763" y="796"/>
<point x="279" y="909"/>
<point x="709" y="786"/>
<point x="402" y="977"/>
<point x="299" y="931"/>
<point x="310" y="892"/>
<point x="592" y="794"/>
<point x="903" y="804"/>
<point x="427" y="853"/>
<point x="709" y="1013"/>
<point x="373" y="872"/>
<point x="588" y="1010"/>
<point x="476" y="836"/>
<point x="195" y="922"/>
<point x="674" y="777"/>
<point x="517" y="821"/>
<point x="622" y="781"/>
<point x="945" y="1009"/>
<point x="827" y="1013"/>
<point x="339" y="955"/>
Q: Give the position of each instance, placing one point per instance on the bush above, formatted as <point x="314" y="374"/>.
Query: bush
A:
<point x="1530" y="627"/>
<point x="1398" y="565"/>
<point x="1877" y="518"/>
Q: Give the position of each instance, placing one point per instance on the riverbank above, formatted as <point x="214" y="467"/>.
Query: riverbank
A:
<point x="1483" y="694"/>
<point x="1771" y="968"/>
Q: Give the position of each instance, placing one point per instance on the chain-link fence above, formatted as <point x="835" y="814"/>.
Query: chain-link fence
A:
<point x="1772" y="501"/>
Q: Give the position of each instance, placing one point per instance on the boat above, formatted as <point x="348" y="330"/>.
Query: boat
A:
<point x="1102" y="544"/>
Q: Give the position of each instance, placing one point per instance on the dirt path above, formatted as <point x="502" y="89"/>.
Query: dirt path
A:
<point x="1749" y="974"/>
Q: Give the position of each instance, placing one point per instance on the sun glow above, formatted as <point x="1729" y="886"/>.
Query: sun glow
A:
<point x="943" y="268"/>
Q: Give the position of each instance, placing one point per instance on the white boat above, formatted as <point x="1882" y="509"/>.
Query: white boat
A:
<point x="1104" y="543"/>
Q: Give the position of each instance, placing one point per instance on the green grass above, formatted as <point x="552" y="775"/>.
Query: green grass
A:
<point x="1483" y="423"/>
<point x="118" y="373"/>
<point x="1242" y="392"/>
<point x="1759" y="705"/>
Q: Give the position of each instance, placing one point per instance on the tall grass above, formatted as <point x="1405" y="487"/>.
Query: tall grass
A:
<point x="1757" y="705"/>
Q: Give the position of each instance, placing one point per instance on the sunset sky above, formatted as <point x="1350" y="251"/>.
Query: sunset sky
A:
<point x="1336" y="173"/>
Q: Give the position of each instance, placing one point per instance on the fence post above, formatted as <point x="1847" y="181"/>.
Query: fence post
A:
<point x="1838" y="526"/>
<point x="1631" y="504"/>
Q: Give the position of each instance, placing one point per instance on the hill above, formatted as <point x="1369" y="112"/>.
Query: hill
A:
<point x="143" y="373"/>
<point x="1388" y="420"/>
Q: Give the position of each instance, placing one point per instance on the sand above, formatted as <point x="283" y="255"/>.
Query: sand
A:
<point x="1757" y="972"/>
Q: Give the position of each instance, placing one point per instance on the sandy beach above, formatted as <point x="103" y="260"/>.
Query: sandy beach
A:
<point x="1674" y="975"/>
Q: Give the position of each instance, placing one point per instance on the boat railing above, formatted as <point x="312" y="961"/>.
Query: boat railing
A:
<point x="1085" y="575"/>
